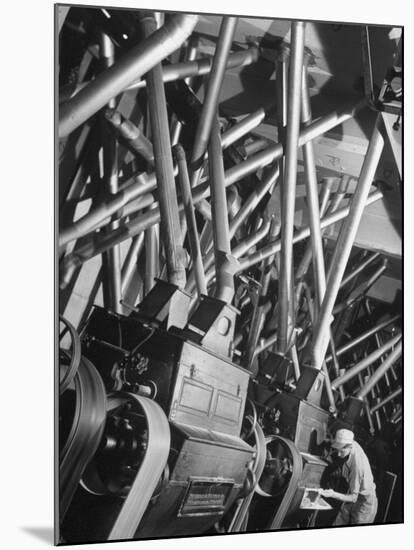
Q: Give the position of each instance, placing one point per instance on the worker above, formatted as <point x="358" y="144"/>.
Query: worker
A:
<point x="360" y="502"/>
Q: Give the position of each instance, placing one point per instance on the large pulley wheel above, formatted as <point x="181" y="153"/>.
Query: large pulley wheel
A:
<point x="278" y="468"/>
<point x="83" y="435"/>
<point x="121" y="451"/>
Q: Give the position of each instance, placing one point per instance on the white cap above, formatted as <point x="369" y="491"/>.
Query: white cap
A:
<point x="343" y="437"/>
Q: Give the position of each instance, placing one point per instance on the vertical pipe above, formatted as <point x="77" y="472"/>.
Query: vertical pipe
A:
<point x="111" y="259"/>
<point x="193" y="238"/>
<point x="328" y="387"/>
<point x="208" y="112"/>
<point x="131" y="260"/>
<point x="295" y="361"/>
<point x="311" y="181"/>
<point x="344" y="244"/>
<point x="248" y="207"/>
<point x="289" y="182"/>
<point x="318" y="261"/>
<point x="220" y="222"/>
<point x="258" y="310"/>
<point x="379" y="373"/>
<point x="282" y="99"/>
<point x="152" y="252"/>
<point x="307" y="256"/>
<point x="170" y="222"/>
<point x="191" y="54"/>
<point x="221" y="231"/>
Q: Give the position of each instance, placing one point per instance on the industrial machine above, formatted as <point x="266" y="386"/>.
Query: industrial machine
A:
<point x="220" y="314"/>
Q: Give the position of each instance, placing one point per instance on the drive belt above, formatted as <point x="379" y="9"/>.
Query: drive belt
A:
<point x="75" y="356"/>
<point x="86" y="430"/>
<point x="238" y="523"/>
<point x="292" y="486"/>
<point x="151" y="469"/>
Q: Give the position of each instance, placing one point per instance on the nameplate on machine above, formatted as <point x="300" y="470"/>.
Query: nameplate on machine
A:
<point x="204" y="498"/>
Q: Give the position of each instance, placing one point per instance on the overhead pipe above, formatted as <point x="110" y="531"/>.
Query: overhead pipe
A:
<point x="275" y="151"/>
<point x="344" y="245"/>
<point x="249" y="242"/>
<point x="271" y="248"/>
<point x="374" y="397"/>
<point x="253" y="200"/>
<point x="396" y="414"/>
<point x="378" y="340"/>
<point x="375" y="394"/>
<point x="381" y="370"/>
<point x="359" y="269"/>
<point x="265" y="344"/>
<point x="193" y="67"/>
<point x="145" y="183"/>
<point x="360" y="292"/>
<point x="136" y="141"/>
<point x="372" y="331"/>
<point x="386" y="400"/>
<point x="289" y="182"/>
<point x="210" y="103"/>
<point x="109" y="206"/>
<point x="201" y="67"/>
<point x="375" y="390"/>
<point x="220" y="221"/>
<point x="253" y="147"/>
<point x="164" y="169"/>
<point x="176" y="126"/>
<point x="97" y="244"/>
<point x="134" y="64"/>
<point x="366" y="362"/>
<point x="242" y="127"/>
<point x="302" y="234"/>
<point x="127" y="211"/>
<point x="187" y="199"/>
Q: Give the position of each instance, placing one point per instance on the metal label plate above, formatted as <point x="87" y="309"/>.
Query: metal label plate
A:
<point x="205" y="497"/>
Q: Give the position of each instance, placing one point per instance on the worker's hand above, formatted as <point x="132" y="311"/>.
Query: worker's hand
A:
<point x="328" y="493"/>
